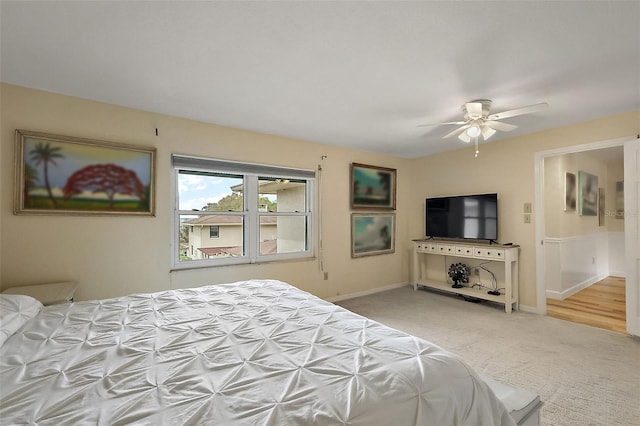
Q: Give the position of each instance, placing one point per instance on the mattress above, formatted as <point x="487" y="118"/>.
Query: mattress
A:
<point x="252" y="352"/>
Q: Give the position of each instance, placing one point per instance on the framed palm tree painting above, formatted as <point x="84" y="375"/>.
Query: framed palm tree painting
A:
<point x="68" y="175"/>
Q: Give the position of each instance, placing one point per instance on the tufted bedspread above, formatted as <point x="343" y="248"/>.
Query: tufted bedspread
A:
<point x="254" y="352"/>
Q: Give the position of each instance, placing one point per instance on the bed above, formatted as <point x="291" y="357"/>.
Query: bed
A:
<point x="253" y="352"/>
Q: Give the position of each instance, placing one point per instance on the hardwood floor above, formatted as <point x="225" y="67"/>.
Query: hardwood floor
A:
<point x="600" y="305"/>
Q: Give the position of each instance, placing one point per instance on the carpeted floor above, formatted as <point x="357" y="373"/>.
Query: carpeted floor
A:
<point x="584" y="375"/>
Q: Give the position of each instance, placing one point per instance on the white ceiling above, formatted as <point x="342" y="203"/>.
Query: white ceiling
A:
<point x="355" y="74"/>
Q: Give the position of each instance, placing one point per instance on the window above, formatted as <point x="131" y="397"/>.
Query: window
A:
<point x="229" y="212"/>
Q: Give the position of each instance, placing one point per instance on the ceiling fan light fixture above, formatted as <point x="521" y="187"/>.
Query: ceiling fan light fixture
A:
<point x="487" y="132"/>
<point x="474" y="130"/>
<point x="464" y="137"/>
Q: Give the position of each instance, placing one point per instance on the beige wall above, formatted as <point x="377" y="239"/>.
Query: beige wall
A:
<point x="112" y="256"/>
<point x="508" y="168"/>
<point x="101" y="254"/>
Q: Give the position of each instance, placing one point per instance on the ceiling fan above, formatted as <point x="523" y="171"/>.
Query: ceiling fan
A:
<point x="478" y="122"/>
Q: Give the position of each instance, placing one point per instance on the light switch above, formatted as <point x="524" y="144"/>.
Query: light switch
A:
<point x="527" y="218"/>
<point x="527" y="207"/>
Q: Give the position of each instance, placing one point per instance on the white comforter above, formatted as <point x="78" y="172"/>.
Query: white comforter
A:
<point x="254" y="352"/>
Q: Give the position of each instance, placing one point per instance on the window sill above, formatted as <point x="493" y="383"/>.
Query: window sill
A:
<point x="178" y="268"/>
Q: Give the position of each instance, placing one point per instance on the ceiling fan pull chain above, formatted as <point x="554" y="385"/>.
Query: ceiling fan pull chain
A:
<point x="477" y="150"/>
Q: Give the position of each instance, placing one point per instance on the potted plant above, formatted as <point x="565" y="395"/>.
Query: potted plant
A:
<point x="459" y="273"/>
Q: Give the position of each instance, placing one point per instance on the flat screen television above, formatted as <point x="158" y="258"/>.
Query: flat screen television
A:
<point x="464" y="216"/>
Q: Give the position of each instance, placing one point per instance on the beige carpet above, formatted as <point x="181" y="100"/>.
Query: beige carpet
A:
<point x="584" y="375"/>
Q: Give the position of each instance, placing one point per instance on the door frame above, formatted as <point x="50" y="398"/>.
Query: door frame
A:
<point x="632" y="245"/>
<point x="539" y="206"/>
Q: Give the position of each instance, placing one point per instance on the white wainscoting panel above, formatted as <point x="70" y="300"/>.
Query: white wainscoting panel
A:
<point x="616" y="254"/>
<point x="574" y="263"/>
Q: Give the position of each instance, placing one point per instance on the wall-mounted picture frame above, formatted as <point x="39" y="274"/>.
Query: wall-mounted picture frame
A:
<point x="601" y="213"/>
<point x="588" y="194"/>
<point x="372" y="187"/>
<point x="372" y="234"/>
<point x="68" y="175"/>
<point x="570" y="189"/>
<point x="620" y="200"/>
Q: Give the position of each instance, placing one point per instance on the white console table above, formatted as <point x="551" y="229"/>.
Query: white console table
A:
<point x="431" y="260"/>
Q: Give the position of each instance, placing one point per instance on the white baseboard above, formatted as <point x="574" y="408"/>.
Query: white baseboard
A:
<point x="561" y="295"/>
<point x="617" y="274"/>
<point x="530" y="309"/>
<point x="365" y="292"/>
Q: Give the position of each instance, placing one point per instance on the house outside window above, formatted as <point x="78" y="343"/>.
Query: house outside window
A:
<point x="241" y="213"/>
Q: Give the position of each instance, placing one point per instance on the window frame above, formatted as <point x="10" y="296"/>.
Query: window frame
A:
<point x="251" y="213"/>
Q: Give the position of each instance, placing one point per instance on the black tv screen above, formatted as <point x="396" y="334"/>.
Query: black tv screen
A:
<point x="464" y="216"/>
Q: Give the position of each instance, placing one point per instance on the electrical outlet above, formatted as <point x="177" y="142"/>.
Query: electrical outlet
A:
<point x="326" y="275"/>
<point x="527" y="218"/>
<point x="527" y="208"/>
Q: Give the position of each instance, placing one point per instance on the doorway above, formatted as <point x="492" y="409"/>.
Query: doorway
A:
<point x="581" y="259"/>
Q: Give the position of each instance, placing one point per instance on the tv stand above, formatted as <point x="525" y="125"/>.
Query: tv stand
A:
<point x="431" y="260"/>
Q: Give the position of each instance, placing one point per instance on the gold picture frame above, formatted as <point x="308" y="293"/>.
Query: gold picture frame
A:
<point x="372" y="187"/>
<point x="372" y="234"/>
<point x="68" y="175"/>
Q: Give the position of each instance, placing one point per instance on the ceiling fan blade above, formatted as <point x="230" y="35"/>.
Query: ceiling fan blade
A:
<point x="474" y="109"/>
<point x="499" y="125"/>
<point x="441" y="124"/>
<point x="518" y="111"/>
<point x="456" y="131"/>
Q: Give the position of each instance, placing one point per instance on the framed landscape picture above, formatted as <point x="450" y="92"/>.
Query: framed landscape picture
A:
<point x="601" y="211"/>
<point x="372" y="187"/>
<point x="372" y="234"/>
<point x="620" y="200"/>
<point x="67" y="175"/>
<point x="588" y="194"/>
<point x="569" y="192"/>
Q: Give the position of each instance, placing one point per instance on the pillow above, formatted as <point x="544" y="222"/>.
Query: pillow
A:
<point x="15" y="311"/>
